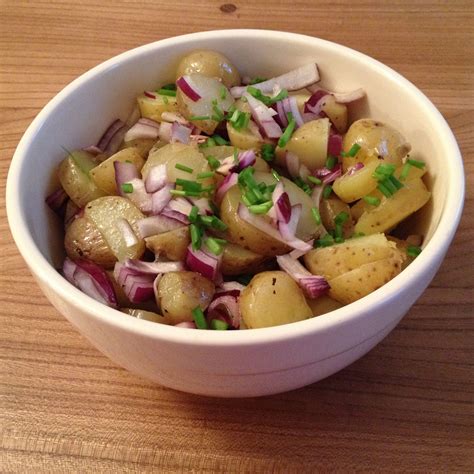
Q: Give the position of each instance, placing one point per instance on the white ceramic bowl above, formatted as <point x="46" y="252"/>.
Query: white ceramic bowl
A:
<point x="234" y="363"/>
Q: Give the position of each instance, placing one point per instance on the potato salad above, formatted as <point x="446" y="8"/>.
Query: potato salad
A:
<point x="226" y="202"/>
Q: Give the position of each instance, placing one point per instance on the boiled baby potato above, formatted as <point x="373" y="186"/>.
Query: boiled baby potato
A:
<point x="103" y="175"/>
<point x="322" y="305"/>
<point x="336" y="112"/>
<point x="211" y="64"/>
<point x="393" y="209"/>
<point x="329" y="209"/>
<point x="271" y="299"/>
<point x="84" y="240"/>
<point x="338" y="259"/>
<point x="224" y="151"/>
<point x="146" y="315"/>
<point x="141" y="145"/>
<point x="74" y="177"/>
<point x="172" y="245"/>
<point x="237" y="260"/>
<point x="353" y="285"/>
<point x="374" y="137"/>
<point x="309" y="143"/>
<point x="244" y="138"/>
<point x="105" y="213"/>
<point x="153" y="108"/>
<point x="355" y="185"/>
<point x="179" y="293"/>
<point x="251" y="238"/>
<point x="175" y="153"/>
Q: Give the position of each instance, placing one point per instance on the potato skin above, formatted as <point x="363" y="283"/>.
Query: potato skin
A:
<point x="211" y="64"/>
<point x="180" y="292"/>
<point x="146" y="315"/>
<point x="272" y="299"/>
<point x="329" y="209"/>
<point x="323" y="304"/>
<point x="172" y="245"/>
<point x="237" y="260"/>
<point x="84" y="240"/>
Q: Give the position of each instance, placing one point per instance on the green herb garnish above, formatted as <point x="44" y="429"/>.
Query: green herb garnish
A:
<point x="182" y="167"/>
<point x="127" y="188"/>
<point x="199" y="318"/>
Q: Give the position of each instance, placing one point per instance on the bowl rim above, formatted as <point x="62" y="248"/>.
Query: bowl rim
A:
<point x="432" y="252"/>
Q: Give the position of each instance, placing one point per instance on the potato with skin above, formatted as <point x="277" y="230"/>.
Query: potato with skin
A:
<point x="330" y="208"/>
<point x="322" y="305"/>
<point x="223" y="151"/>
<point x="103" y="175"/>
<point x="146" y="315"/>
<point x="153" y="108"/>
<point x="172" y="245"/>
<point x="178" y="293"/>
<point x="105" y="213"/>
<point x="141" y="145"/>
<point x="74" y="177"/>
<point x="251" y="238"/>
<point x="377" y="138"/>
<point x="237" y="260"/>
<point x="174" y="153"/>
<point x="211" y="64"/>
<point x="309" y="143"/>
<point x="336" y="112"/>
<point x="272" y="299"/>
<point x="84" y="240"/>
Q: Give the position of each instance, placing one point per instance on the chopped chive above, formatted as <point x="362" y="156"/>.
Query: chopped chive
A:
<point x="193" y="215"/>
<point x="199" y="318"/>
<point x="327" y="191"/>
<point x="236" y="156"/>
<point x="395" y="182"/>
<point x="331" y="162"/>
<point x="251" y="197"/>
<point x="416" y="163"/>
<point x="210" y="142"/>
<point x="268" y="152"/>
<point x="316" y="215"/>
<point x="199" y="117"/>
<point x="219" y="140"/>
<point x="189" y="185"/>
<point x="339" y="239"/>
<point x="384" y="190"/>
<point x="354" y="150"/>
<point x="127" y="188"/>
<point x="218" y="113"/>
<point x="167" y="92"/>
<point x="405" y="170"/>
<point x="215" y="247"/>
<point x="170" y="87"/>
<point x="219" y="325"/>
<point x="383" y="171"/>
<point x="259" y="95"/>
<point x="276" y="175"/>
<point x="341" y="218"/>
<point x="285" y="138"/>
<point x="256" y="80"/>
<point x="205" y="174"/>
<point x="165" y="100"/>
<point x="223" y="93"/>
<point x="182" y="167"/>
<point x="373" y="201"/>
<point x="389" y="185"/>
<point x="246" y="201"/>
<point x="314" y="180"/>
<point x="214" y="163"/>
<point x="196" y="236"/>
<point x="261" y="208"/>
<point x="220" y="241"/>
<point x="214" y="208"/>
<point x="325" y="241"/>
<point x="413" y="251"/>
<point x="212" y="221"/>
<point x="178" y="192"/>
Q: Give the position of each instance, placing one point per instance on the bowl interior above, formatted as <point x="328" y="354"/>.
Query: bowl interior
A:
<point x="78" y="116"/>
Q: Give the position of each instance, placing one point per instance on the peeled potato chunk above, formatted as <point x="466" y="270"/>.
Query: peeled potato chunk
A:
<point x="271" y="299"/>
<point x="172" y="245"/>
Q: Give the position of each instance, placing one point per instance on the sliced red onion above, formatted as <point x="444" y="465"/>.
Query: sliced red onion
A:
<point x="309" y="116"/>
<point x="313" y="285"/>
<point x="202" y="204"/>
<point x="139" y="288"/>
<point x="244" y="159"/>
<point x="109" y="133"/>
<point x="334" y="144"/>
<point x="154" y="225"/>
<point x="144" y="128"/>
<point x="341" y="97"/>
<point x="176" y="117"/>
<point x="156" y="178"/>
<point x="281" y="203"/>
<point x="93" y="150"/>
<point x="288" y="230"/>
<point x="353" y="169"/>
<point x="124" y="173"/>
<point x="186" y="85"/>
<point x="57" y="200"/>
<point x="263" y="115"/>
<point x="180" y="133"/>
<point x="225" y="308"/>
<point x="127" y="232"/>
<point x="328" y="176"/>
<point x="233" y="288"/>
<point x="293" y="80"/>
<point x="198" y="139"/>
<point x="115" y="142"/>
<point x="292" y="164"/>
<point x="186" y="324"/>
<point x="134" y="117"/>
<point x="181" y="205"/>
<point x="150" y="95"/>
<point x="317" y="107"/>
<point x="297" y="253"/>
<point x="152" y="268"/>
<point x="139" y="196"/>
<point x="176" y="215"/>
<point x="229" y="181"/>
<point x="164" y="133"/>
<point x="283" y="118"/>
<point x="293" y="105"/>
<point x="91" y="279"/>
<point x="304" y="172"/>
<point x="160" y="199"/>
<point x="203" y="263"/>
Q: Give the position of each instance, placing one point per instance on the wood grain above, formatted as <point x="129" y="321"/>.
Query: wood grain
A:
<point x="406" y="406"/>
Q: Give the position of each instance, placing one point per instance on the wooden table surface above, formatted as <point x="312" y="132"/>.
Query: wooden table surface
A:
<point x="407" y="405"/>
